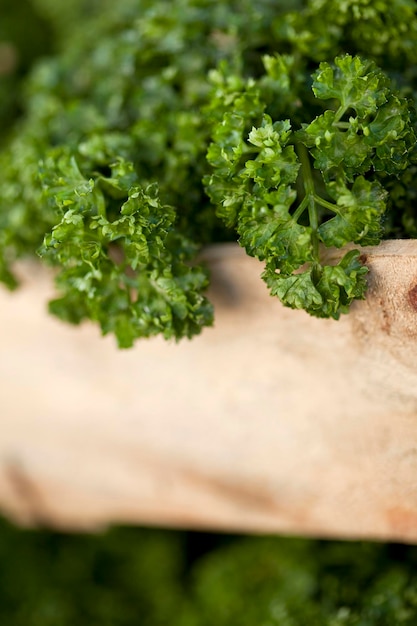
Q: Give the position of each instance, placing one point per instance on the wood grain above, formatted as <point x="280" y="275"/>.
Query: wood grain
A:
<point x="271" y="421"/>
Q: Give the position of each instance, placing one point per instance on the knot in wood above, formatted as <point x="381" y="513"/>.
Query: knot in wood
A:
<point x="412" y="297"/>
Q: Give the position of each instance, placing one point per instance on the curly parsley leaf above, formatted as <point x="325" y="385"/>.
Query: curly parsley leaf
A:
<point x="359" y="210"/>
<point x="289" y="192"/>
<point x="369" y="127"/>
<point x="354" y="83"/>
<point x="322" y="291"/>
<point x="132" y="273"/>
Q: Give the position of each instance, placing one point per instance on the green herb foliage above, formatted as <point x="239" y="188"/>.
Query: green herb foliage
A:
<point x="286" y="125"/>
<point x="264" y="183"/>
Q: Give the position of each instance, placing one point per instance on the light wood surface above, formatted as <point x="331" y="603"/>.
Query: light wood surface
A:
<point x="272" y="421"/>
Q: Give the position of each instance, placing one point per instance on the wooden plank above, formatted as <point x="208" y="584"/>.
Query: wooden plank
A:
<point x="270" y="421"/>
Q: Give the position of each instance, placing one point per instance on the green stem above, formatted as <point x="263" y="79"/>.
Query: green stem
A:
<point x="100" y="203"/>
<point x="327" y="205"/>
<point x="301" y="208"/>
<point x="309" y="199"/>
<point x="339" y="114"/>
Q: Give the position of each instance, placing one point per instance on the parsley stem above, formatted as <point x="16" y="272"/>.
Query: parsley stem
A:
<point x="301" y="208"/>
<point x="339" y="114"/>
<point x="306" y="169"/>
<point x="327" y="205"/>
<point x="310" y="195"/>
<point x="100" y="203"/>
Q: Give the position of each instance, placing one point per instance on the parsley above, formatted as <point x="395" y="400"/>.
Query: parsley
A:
<point x="287" y="191"/>
<point x="290" y="128"/>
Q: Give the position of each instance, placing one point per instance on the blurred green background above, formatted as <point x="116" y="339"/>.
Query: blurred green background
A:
<point x="155" y="577"/>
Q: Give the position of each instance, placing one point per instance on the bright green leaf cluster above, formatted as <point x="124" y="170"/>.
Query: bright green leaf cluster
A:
<point x="123" y="264"/>
<point x="370" y="128"/>
<point x="283" y="209"/>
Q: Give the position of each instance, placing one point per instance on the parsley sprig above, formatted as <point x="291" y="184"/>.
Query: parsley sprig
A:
<point x="122" y="262"/>
<point x="287" y="192"/>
